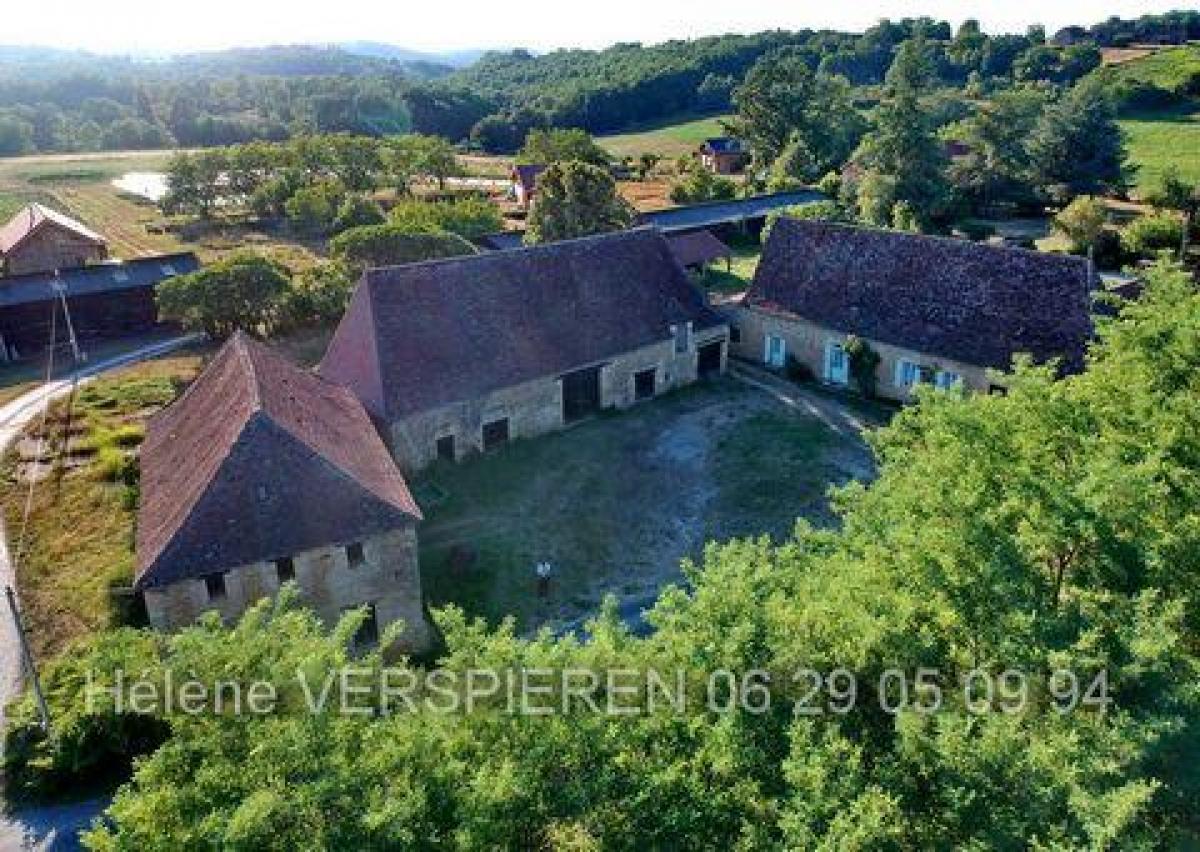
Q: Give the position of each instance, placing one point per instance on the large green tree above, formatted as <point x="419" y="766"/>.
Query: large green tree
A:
<point x="576" y="200"/>
<point x="1076" y="147"/>
<point x="784" y="108"/>
<point x="902" y="147"/>
<point x="559" y="145"/>
<point x="241" y="292"/>
<point x="997" y="166"/>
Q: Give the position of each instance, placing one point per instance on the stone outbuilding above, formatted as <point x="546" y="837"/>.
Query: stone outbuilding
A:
<point x="262" y="473"/>
<point x="462" y="355"/>
<point x="39" y="239"/>
<point x="934" y="309"/>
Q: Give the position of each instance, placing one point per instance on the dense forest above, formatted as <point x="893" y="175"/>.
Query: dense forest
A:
<point x="65" y="101"/>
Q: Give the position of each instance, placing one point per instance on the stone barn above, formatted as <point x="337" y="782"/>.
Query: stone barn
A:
<point x="38" y="239"/>
<point x="262" y="473"/>
<point x="934" y="309"/>
<point x="462" y="355"/>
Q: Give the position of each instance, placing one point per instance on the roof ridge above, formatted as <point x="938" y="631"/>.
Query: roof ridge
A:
<point x="537" y="248"/>
<point x="942" y="239"/>
<point x="243" y="351"/>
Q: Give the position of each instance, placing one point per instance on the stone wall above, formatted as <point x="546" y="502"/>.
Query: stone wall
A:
<point x="535" y="407"/>
<point x="388" y="577"/>
<point x="807" y="342"/>
<point x="51" y="248"/>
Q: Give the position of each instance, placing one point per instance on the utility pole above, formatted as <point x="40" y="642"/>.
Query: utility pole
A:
<point x="27" y="657"/>
<point x="60" y="288"/>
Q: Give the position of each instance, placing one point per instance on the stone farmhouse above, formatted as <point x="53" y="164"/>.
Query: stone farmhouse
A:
<point x="38" y="239"/>
<point x="461" y="355"/>
<point x="524" y="183"/>
<point x="262" y="473"/>
<point x="935" y="309"/>
<point x="723" y="155"/>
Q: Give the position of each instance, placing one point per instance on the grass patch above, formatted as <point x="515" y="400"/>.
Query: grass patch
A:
<point x="669" y="139"/>
<point x="740" y="273"/>
<point x="78" y="544"/>
<point x="1162" y="139"/>
<point x="616" y="502"/>
<point x="71" y="175"/>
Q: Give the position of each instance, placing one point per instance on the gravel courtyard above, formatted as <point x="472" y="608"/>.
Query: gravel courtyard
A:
<point x="618" y="501"/>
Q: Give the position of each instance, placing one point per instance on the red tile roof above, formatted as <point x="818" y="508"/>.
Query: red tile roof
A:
<point x="260" y="459"/>
<point x="428" y="334"/>
<point x="974" y="303"/>
<point x="32" y="217"/>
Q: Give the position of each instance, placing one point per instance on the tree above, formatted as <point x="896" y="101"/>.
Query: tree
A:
<point x="469" y="218"/>
<point x="902" y="145"/>
<point x="1174" y="193"/>
<point x="16" y="136"/>
<point x="697" y="185"/>
<point x="314" y="208"/>
<point x="391" y="245"/>
<point x="998" y="166"/>
<point x="1082" y="222"/>
<point x="559" y="145"/>
<point x="1146" y="236"/>
<point x="415" y="155"/>
<point x="357" y="211"/>
<point x="241" y="292"/>
<point x="783" y="104"/>
<point x="576" y="200"/>
<point x="1076" y="147"/>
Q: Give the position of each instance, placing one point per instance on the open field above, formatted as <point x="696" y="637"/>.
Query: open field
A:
<point x="666" y="140"/>
<point x="616" y="502"/>
<point x="1159" y="140"/>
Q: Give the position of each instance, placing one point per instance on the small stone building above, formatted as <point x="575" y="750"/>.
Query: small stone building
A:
<point x="724" y="155"/>
<point x="462" y="355"/>
<point x="262" y="473"/>
<point x="38" y="239"/>
<point x="934" y="309"/>
<point x="524" y="183"/>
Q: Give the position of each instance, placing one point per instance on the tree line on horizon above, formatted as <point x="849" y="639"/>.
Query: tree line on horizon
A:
<point x="66" y="104"/>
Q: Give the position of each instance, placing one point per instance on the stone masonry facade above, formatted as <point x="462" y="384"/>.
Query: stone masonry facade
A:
<point x="536" y="407"/>
<point x="51" y="248"/>
<point x="808" y="342"/>
<point x="382" y="571"/>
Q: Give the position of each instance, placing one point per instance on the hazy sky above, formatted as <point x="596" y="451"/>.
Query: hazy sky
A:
<point x="165" y="26"/>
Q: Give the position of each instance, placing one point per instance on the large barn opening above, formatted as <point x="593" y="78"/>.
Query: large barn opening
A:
<point x="580" y="394"/>
<point x="708" y="358"/>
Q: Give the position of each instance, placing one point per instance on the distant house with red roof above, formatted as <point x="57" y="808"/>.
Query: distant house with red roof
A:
<point x="524" y="183"/>
<point x="39" y="239"/>
<point x="262" y="473"/>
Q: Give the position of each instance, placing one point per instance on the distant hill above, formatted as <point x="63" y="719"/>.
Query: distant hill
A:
<point x="381" y="50"/>
<point x="1165" y="78"/>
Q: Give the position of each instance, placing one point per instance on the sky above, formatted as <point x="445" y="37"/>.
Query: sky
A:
<point x="161" y="26"/>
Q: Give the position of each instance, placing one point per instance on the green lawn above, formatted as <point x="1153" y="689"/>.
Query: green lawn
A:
<point x="1159" y="140"/>
<point x="740" y="273"/>
<point x="616" y="502"/>
<point x="668" y="140"/>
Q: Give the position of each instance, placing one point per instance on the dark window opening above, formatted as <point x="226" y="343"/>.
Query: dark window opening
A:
<point x="997" y="390"/>
<point x="708" y="359"/>
<point x="367" y="635"/>
<point x="285" y="569"/>
<point x="495" y="434"/>
<point x="580" y="394"/>
<point x="643" y="384"/>
<point x="445" y="448"/>
<point x="355" y="555"/>
<point x="214" y="584"/>
<point x="682" y="338"/>
<point x="735" y="334"/>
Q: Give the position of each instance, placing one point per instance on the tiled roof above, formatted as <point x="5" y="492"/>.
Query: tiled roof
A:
<point x="697" y="247"/>
<point x="260" y="459"/>
<point x="973" y="303"/>
<point x="420" y="336"/>
<point x="98" y="278"/>
<point x="31" y="217"/>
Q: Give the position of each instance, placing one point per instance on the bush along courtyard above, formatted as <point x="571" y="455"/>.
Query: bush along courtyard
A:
<point x="1013" y="601"/>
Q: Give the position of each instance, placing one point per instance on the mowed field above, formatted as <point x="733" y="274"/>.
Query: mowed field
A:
<point x="666" y="140"/>
<point x="81" y="185"/>
<point x="1159" y="140"/>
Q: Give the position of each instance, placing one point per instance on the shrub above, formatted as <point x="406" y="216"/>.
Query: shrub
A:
<point x="1148" y="235"/>
<point x="392" y="245"/>
<point x="357" y="211"/>
<point x="864" y="361"/>
<point x="314" y="208"/>
<point x="468" y="217"/>
<point x="318" y="297"/>
<point x="698" y="185"/>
